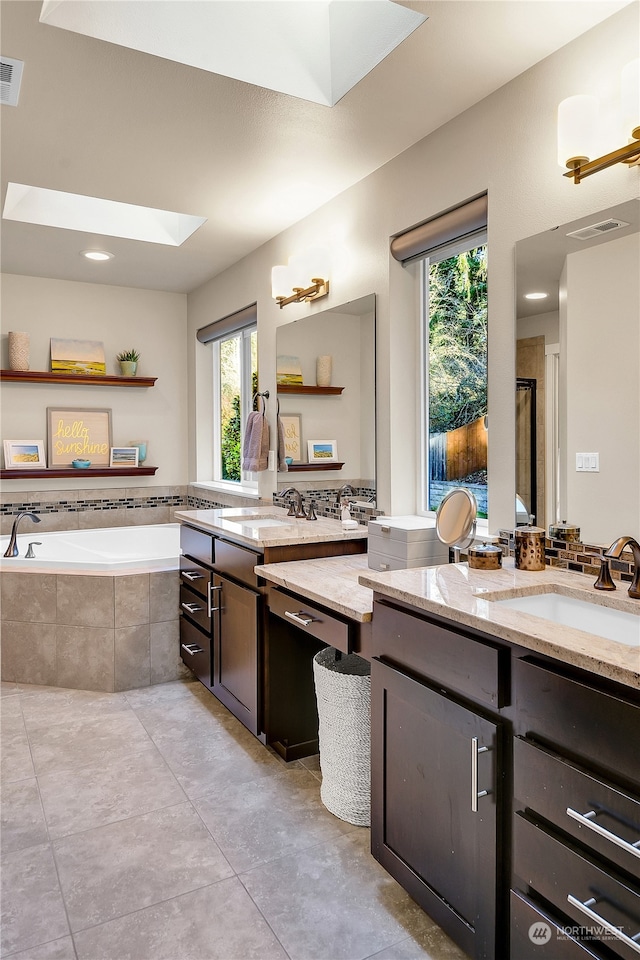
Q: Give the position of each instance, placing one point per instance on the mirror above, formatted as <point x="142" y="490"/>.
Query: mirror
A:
<point x="347" y="334"/>
<point x="456" y="519"/>
<point x="578" y="373"/>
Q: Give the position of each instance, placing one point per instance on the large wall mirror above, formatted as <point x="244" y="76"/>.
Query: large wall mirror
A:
<point x="347" y="334"/>
<point x="578" y="374"/>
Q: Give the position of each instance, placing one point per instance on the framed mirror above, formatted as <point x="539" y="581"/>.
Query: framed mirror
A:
<point x="345" y="410"/>
<point x="578" y="431"/>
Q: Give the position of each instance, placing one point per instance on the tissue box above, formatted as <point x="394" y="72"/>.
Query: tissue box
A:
<point x="397" y="543"/>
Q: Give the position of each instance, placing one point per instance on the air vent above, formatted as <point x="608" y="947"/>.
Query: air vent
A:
<point x="597" y="229"/>
<point x="10" y="77"/>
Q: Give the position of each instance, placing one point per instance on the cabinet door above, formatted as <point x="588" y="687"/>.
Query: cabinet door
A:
<point x="433" y="825"/>
<point x="235" y="646"/>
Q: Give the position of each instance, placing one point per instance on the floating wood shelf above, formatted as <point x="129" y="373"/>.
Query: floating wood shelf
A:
<point x="85" y="379"/>
<point x="301" y="388"/>
<point x="55" y="473"/>
<point x="300" y="467"/>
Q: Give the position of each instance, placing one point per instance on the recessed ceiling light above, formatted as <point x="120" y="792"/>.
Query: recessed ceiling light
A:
<point x="97" y="255"/>
<point x="536" y="296"/>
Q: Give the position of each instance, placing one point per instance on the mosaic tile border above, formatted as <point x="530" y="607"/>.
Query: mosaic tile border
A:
<point x="96" y="504"/>
<point x="577" y="556"/>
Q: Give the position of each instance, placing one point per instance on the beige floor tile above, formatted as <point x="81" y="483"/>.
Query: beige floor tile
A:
<point x="8" y="688"/>
<point x="81" y="742"/>
<point x="22" y="816"/>
<point x="433" y="944"/>
<point x="32" y="907"/>
<point x="61" y="949"/>
<point x="160" y="693"/>
<point x="126" y="866"/>
<point x="48" y="706"/>
<point x="15" y="759"/>
<point x="218" y="922"/>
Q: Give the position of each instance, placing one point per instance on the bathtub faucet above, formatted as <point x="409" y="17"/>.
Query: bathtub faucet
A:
<point x="12" y="549"/>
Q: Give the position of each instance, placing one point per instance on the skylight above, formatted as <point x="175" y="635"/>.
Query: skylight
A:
<point x="73" y="211"/>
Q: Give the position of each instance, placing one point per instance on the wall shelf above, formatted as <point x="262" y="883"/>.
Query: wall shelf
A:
<point x="85" y="379"/>
<point x="301" y="388"/>
<point x="55" y="473"/>
<point x="300" y="467"/>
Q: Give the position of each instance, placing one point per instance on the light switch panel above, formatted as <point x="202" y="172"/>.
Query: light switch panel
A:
<point x="587" y="462"/>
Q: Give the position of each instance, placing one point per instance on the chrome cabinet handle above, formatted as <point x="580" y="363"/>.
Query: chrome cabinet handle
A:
<point x="189" y="575"/>
<point x="210" y="589"/>
<point x="631" y="942"/>
<point x="586" y="820"/>
<point x="303" y="619"/>
<point x="191" y="607"/>
<point x="191" y="648"/>
<point x="475" y="793"/>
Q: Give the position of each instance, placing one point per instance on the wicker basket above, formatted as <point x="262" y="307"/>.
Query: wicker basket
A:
<point x="343" y="692"/>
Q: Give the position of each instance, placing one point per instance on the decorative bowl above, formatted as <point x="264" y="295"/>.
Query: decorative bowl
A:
<point x="81" y="464"/>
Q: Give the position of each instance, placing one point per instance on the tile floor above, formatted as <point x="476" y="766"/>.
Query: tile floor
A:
<point x="150" y="825"/>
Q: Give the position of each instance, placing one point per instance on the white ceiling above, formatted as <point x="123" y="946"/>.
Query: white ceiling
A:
<point x="107" y="121"/>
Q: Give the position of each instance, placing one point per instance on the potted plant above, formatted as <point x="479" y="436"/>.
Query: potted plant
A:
<point x="128" y="360"/>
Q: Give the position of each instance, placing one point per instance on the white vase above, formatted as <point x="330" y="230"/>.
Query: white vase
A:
<point x="18" y="351"/>
<point x="323" y="371"/>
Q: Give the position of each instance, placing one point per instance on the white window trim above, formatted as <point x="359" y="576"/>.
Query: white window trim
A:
<point x="248" y="485"/>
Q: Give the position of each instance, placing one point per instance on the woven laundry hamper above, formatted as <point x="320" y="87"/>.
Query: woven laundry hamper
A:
<point x="343" y="692"/>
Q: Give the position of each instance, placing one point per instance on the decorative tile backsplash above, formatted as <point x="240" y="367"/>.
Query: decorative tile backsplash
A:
<point x="577" y="556"/>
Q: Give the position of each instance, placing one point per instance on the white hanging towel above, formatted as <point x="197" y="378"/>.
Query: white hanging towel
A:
<point x="255" y="449"/>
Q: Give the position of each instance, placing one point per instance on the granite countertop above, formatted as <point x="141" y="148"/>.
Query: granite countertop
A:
<point x="346" y="585"/>
<point x="267" y="526"/>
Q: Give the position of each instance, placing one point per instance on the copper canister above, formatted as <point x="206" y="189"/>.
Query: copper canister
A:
<point x="563" y="530"/>
<point x="485" y="556"/>
<point x="529" y="547"/>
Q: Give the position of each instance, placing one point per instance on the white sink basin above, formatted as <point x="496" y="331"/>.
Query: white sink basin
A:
<point x="260" y="520"/>
<point x="581" y="615"/>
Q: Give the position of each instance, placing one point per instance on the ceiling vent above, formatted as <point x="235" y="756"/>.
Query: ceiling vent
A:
<point x="10" y="77"/>
<point x="597" y="229"/>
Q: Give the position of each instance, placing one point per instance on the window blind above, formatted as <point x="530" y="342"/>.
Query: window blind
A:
<point x="425" y="238"/>
<point x="224" y="327"/>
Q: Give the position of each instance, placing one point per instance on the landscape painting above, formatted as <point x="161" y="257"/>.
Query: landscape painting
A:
<point x="77" y="356"/>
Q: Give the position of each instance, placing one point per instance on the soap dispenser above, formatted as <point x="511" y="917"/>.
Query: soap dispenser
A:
<point x="530" y="546"/>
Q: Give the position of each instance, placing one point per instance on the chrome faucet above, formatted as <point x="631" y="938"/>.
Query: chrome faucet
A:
<point x="296" y="511"/>
<point x="614" y="552"/>
<point x="12" y="549"/>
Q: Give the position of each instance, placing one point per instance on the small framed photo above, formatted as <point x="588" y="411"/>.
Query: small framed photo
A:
<point x="24" y="453"/>
<point x="78" y="433"/>
<point x="292" y="429"/>
<point x="322" y="451"/>
<point x="124" y="456"/>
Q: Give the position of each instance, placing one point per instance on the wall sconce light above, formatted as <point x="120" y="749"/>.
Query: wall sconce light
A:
<point x="305" y="274"/>
<point x="578" y="129"/>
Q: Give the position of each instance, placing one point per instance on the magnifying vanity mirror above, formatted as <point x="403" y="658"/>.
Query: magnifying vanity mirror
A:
<point x="344" y="419"/>
<point x="456" y="520"/>
<point x="578" y="374"/>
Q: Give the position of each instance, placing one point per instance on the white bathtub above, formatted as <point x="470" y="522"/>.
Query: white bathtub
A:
<point x="108" y="549"/>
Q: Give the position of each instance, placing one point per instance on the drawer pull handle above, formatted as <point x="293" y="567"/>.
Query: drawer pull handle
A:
<point x="191" y="648"/>
<point x="475" y="793"/>
<point x="304" y="619"/>
<point x="191" y="607"/>
<point x="188" y="575"/>
<point x="210" y="589"/>
<point x="586" y="820"/>
<point x="585" y="908"/>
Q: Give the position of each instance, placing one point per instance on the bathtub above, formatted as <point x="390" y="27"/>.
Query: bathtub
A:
<point x="107" y="549"/>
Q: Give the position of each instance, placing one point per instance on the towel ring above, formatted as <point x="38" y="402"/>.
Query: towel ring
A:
<point x="265" y="397"/>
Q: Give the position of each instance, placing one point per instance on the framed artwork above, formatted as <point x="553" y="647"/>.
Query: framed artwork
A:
<point x="322" y="451"/>
<point x="288" y="370"/>
<point x="124" y="456"/>
<point x="292" y="429"/>
<point x="77" y="356"/>
<point x="24" y="453"/>
<point x="78" y="433"/>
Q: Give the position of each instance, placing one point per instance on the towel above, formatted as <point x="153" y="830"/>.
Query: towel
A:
<point x="282" y="463"/>
<point x="255" y="449"/>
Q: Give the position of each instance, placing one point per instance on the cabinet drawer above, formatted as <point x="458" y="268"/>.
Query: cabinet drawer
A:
<point x="604" y="903"/>
<point x="310" y="619"/>
<point x="599" y="815"/>
<point x="533" y="928"/>
<point x="195" y="651"/>
<point x="571" y="717"/>
<point x="194" y="606"/>
<point x="194" y="576"/>
<point x="453" y="658"/>
<point x="237" y="562"/>
<point x="196" y="544"/>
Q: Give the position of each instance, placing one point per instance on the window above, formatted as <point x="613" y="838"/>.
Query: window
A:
<point x="235" y="381"/>
<point x="454" y="364"/>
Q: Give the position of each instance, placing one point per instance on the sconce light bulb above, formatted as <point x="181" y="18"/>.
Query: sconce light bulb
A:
<point x="577" y="129"/>
<point x="630" y="98"/>
<point x="280" y="286"/>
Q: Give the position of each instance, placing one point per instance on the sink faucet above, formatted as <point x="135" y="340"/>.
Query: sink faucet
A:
<point x="298" y="510"/>
<point x="614" y="553"/>
<point x="12" y="549"/>
<point x="342" y="492"/>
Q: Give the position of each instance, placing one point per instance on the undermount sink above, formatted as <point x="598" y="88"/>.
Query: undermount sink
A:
<point x="589" y="616"/>
<point x="260" y="519"/>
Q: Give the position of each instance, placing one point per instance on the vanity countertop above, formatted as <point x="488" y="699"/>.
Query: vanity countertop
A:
<point x="346" y="585"/>
<point x="247" y="525"/>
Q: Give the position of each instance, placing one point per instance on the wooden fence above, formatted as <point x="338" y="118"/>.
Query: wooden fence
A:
<point x="458" y="453"/>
